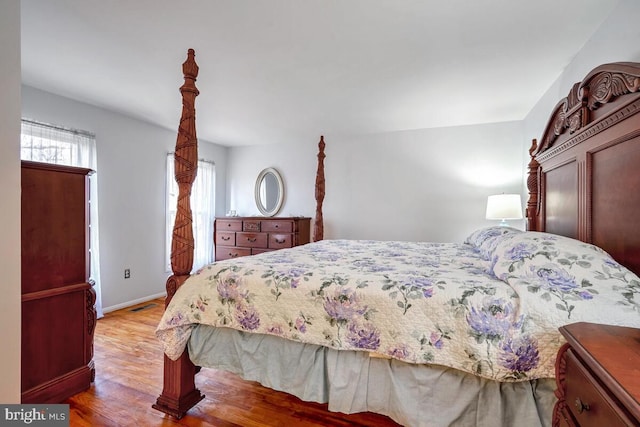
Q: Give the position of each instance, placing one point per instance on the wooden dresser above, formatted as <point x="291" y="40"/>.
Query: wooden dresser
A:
<point x="598" y="376"/>
<point x="242" y="236"/>
<point x="58" y="314"/>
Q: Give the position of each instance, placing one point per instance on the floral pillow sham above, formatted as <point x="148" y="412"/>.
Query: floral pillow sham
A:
<point x="484" y="240"/>
<point x="583" y="280"/>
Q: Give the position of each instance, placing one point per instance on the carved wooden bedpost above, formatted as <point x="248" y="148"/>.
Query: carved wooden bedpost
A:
<point x="179" y="393"/>
<point x="186" y="168"/>
<point x="533" y="187"/>
<point x="318" y="226"/>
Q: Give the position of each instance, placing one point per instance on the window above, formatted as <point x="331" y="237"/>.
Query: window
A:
<point x="41" y="142"/>
<point x="202" y="207"/>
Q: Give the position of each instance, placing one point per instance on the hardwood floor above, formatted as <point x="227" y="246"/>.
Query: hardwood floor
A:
<point x="128" y="362"/>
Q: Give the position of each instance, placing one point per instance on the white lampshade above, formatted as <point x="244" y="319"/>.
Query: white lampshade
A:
<point x="504" y="207"/>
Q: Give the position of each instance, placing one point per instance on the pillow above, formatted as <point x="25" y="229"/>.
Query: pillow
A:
<point x="577" y="280"/>
<point x="484" y="240"/>
<point x="534" y="249"/>
<point x="556" y="264"/>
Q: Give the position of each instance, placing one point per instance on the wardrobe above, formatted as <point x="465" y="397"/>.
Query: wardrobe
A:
<point x="58" y="312"/>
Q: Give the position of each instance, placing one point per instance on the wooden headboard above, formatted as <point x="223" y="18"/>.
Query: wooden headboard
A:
<point x="584" y="174"/>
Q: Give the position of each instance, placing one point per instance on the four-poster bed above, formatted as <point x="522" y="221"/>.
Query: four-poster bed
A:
<point x="489" y="344"/>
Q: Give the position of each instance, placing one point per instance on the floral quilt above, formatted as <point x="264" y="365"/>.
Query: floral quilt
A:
<point x="491" y="306"/>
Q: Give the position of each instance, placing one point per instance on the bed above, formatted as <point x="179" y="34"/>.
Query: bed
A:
<point x="430" y="334"/>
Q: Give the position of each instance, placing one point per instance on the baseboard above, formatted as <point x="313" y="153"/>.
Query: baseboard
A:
<point x="133" y="302"/>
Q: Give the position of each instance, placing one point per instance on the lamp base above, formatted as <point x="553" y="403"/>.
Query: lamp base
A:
<point x="503" y="223"/>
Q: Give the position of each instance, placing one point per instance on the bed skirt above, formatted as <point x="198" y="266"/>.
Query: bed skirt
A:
<point x="351" y="382"/>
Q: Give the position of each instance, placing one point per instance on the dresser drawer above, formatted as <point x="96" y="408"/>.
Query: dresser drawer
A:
<point x="587" y="400"/>
<point x="228" y="225"/>
<point x="255" y="251"/>
<point x="227" y="238"/>
<point x="282" y="226"/>
<point x="251" y="240"/>
<point x="224" y="252"/>
<point x="279" y="241"/>
<point x="251" y="225"/>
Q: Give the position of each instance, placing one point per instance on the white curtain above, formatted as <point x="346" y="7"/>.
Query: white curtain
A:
<point x="203" y="211"/>
<point x="41" y="142"/>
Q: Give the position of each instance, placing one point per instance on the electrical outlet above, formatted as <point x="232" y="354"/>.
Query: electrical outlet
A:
<point x="127" y="273"/>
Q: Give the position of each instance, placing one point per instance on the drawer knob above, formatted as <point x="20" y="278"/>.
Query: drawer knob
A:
<point x="581" y="406"/>
<point x="232" y="255"/>
<point x="226" y="238"/>
<point x="252" y="239"/>
<point x="281" y="241"/>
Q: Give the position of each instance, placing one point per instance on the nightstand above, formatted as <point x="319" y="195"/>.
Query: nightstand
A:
<point x="598" y="376"/>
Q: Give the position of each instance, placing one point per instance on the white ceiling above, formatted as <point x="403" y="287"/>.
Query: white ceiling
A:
<point x="286" y="71"/>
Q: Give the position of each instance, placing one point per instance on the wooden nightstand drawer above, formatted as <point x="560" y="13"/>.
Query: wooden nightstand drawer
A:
<point x="226" y="238"/>
<point x="251" y="240"/>
<point x="587" y="401"/>
<point x="597" y="376"/>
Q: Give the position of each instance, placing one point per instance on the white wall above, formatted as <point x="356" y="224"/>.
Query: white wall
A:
<point x="10" y="196"/>
<point x="615" y="41"/>
<point x="296" y="163"/>
<point x="429" y="184"/>
<point x="131" y="188"/>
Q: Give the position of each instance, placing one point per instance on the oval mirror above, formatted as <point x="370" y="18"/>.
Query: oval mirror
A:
<point x="269" y="192"/>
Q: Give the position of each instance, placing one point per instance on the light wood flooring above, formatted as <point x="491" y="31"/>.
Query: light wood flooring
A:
<point x="128" y="363"/>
